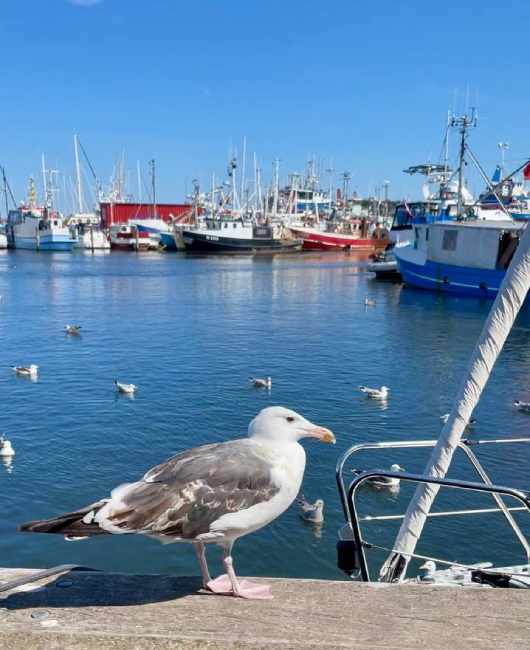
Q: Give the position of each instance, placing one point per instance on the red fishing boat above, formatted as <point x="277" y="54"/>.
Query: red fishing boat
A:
<point x="339" y="236"/>
<point x="126" y="237"/>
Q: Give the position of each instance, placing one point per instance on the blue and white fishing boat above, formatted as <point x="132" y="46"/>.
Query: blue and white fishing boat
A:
<point x="34" y="228"/>
<point x="468" y="255"/>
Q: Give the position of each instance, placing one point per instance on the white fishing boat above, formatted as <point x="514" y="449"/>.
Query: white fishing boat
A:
<point x="353" y="546"/>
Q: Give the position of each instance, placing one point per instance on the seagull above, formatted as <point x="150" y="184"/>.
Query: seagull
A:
<point x="313" y="512"/>
<point x="6" y="450"/>
<point x="445" y="417"/>
<point x="214" y="493"/>
<point x="430" y="568"/>
<point x="369" y="303"/>
<point x="73" y="329"/>
<point x="376" y="393"/>
<point x="26" y="370"/>
<point x="2" y="297"/>
<point x="261" y="383"/>
<point x="382" y="481"/>
<point x="522" y="406"/>
<point x="129" y="389"/>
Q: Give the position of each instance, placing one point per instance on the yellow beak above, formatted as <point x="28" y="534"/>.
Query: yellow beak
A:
<point x="322" y="434"/>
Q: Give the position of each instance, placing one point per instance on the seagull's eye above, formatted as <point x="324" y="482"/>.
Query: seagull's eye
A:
<point x="289" y="418"/>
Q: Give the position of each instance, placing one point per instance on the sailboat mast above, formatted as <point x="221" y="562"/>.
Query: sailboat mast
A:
<point x="276" y="187"/>
<point x="44" y="181"/>
<point x="153" y="184"/>
<point x="244" y="162"/>
<point x="139" y="178"/>
<point x="78" y="177"/>
<point x="5" y="190"/>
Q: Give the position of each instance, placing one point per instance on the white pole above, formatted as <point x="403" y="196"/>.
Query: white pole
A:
<point x="512" y="293"/>
<point x="213" y="193"/>
<point x="276" y="187"/>
<point x="139" y="176"/>
<point x="243" y="171"/>
<point x="44" y="181"/>
<point x="78" y="178"/>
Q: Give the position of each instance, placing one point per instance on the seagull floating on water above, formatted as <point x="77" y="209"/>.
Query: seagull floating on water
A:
<point x="430" y="569"/>
<point x="26" y="370"/>
<point x="214" y="493"/>
<point x="6" y="450"/>
<point x="73" y="329"/>
<point x="376" y="393"/>
<point x="382" y="481"/>
<point x="129" y="389"/>
<point x="313" y="512"/>
<point x="522" y="406"/>
<point x="369" y="303"/>
<point x="445" y="417"/>
<point x="261" y="383"/>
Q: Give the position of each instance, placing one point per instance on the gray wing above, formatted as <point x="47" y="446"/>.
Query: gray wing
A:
<point x="184" y="495"/>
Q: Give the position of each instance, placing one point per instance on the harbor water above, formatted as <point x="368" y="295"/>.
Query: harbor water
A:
<point x="189" y="331"/>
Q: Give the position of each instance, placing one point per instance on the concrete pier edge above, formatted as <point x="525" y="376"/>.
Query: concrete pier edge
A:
<point x="114" y="611"/>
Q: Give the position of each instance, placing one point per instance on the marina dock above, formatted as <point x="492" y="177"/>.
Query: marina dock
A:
<point x="151" y="612"/>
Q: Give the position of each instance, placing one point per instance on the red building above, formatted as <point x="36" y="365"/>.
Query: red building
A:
<point x="112" y="213"/>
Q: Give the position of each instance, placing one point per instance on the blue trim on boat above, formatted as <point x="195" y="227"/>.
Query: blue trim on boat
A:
<point x="446" y="278"/>
<point x="168" y="241"/>
<point x="47" y="243"/>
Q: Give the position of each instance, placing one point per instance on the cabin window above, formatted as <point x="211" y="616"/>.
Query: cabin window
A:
<point x="449" y="240"/>
<point x="234" y="225"/>
<point x="417" y="233"/>
<point x="226" y="225"/>
<point x="426" y="234"/>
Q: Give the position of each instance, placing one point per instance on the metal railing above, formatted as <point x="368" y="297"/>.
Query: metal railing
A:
<point x="348" y="503"/>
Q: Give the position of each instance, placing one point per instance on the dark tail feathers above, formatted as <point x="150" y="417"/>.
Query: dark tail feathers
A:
<point x="70" y="524"/>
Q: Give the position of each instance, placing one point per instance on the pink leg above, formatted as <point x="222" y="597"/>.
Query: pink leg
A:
<point x="228" y="583"/>
<point x="201" y="554"/>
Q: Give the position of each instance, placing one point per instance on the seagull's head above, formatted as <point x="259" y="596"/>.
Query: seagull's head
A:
<point x="319" y="503"/>
<point x="280" y="424"/>
<point x="396" y="468"/>
<point x="429" y="566"/>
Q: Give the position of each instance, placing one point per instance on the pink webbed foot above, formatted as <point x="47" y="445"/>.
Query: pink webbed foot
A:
<point x="246" y="589"/>
<point x="220" y="585"/>
<point x="253" y="591"/>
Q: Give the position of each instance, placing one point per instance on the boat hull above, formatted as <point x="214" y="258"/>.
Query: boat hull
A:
<point x="421" y="273"/>
<point x="168" y="241"/>
<point x="384" y="270"/>
<point x="46" y="243"/>
<point x="204" y="243"/>
<point x="322" y="241"/>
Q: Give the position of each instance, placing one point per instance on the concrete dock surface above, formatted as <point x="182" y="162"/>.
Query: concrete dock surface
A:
<point x="99" y="611"/>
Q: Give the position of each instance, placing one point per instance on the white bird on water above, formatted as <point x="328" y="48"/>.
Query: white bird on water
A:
<point x="312" y="512"/>
<point x="261" y="383"/>
<point x="73" y="329"/>
<point x="26" y="370"/>
<point x="369" y="303"/>
<point x="6" y="450"/>
<point x="522" y="406"/>
<point x="383" y="481"/>
<point x="128" y="389"/>
<point x="445" y="417"/>
<point x="214" y="493"/>
<point x="375" y="393"/>
<point x="430" y="568"/>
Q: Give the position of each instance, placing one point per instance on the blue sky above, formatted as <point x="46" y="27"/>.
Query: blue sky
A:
<point x="365" y="85"/>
